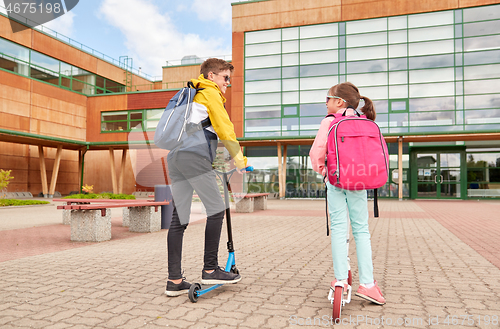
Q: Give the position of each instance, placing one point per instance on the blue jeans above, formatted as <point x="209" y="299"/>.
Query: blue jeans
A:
<point x="339" y="201"/>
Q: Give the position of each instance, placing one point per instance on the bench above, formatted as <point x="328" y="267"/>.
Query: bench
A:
<point x="90" y="219"/>
<point x="249" y="202"/>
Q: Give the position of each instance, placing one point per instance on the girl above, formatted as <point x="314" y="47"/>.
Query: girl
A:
<point x="342" y="98"/>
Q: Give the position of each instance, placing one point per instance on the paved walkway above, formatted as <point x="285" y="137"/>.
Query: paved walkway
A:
<point x="436" y="262"/>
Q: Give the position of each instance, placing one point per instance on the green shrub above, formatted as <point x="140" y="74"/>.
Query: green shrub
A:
<point x="15" y="202"/>
<point x="100" y="196"/>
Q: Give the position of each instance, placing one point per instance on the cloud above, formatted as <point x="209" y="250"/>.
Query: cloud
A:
<point x="62" y="24"/>
<point x="214" y="10"/>
<point x="151" y="36"/>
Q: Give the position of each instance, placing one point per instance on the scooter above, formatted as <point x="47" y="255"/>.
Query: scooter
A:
<point x="195" y="291"/>
<point x="336" y="296"/>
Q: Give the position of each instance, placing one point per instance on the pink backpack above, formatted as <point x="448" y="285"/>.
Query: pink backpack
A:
<point x="356" y="157"/>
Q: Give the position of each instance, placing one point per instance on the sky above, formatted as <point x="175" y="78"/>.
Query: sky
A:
<point x="151" y="32"/>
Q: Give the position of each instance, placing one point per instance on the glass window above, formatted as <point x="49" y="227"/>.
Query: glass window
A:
<point x="368" y="79"/>
<point x="356" y="54"/>
<point x="262" y="86"/>
<point x="367" y="25"/>
<point x="262" y="36"/>
<point x="263" y="99"/>
<point x="398" y="91"/>
<point x="290" y="46"/>
<point x="290" y="97"/>
<point x="367" y="66"/>
<point x="324" y="83"/>
<point x="310" y="123"/>
<point x="290" y="72"/>
<point x="263" y="125"/>
<point x="319" y="44"/>
<point x="318" y="70"/>
<point x="312" y="110"/>
<point x="290" y="33"/>
<point x="381" y="106"/>
<point x="432" y="104"/>
<point x="262" y="62"/>
<point x="319" y="57"/>
<point x="290" y="124"/>
<point x="114" y="87"/>
<point x="430" y="19"/>
<point x="432" y="47"/>
<point x="368" y="39"/>
<point x="262" y="112"/>
<point x="398" y="22"/>
<point x="481" y="28"/>
<point x="135" y="120"/>
<point x="290" y="59"/>
<point x="322" y="30"/>
<point x="431" y="33"/>
<point x="375" y="92"/>
<point x="114" y="121"/>
<point x="432" y="75"/>
<point x="398" y="64"/>
<point x="14" y="50"/>
<point x="481" y="86"/>
<point x="483" y="160"/>
<point x="43" y="61"/>
<point x="398" y="119"/>
<point x="398" y="50"/>
<point x="381" y="119"/>
<point x="290" y="110"/>
<point x="399" y="106"/>
<point x="263" y="49"/>
<point x="314" y="96"/>
<point x="482" y="43"/>
<point x="484" y="57"/>
<point x="438" y="118"/>
<point x="482" y="116"/>
<point x="290" y="84"/>
<point x="432" y="89"/>
<point x="398" y="36"/>
<point x="482" y="101"/>
<point x="398" y="77"/>
<point x="431" y="61"/>
<point x="251" y="75"/>
<point x="481" y="13"/>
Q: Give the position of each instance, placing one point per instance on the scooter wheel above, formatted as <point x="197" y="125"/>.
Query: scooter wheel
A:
<point x="193" y="292"/>
<point x="349" y="278"/>
<point x="337" y="303"/>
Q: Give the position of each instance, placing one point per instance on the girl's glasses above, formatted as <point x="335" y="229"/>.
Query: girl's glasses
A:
<point x="343" y="100"/>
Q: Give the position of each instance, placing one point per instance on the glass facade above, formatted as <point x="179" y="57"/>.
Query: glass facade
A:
<point x="123" y="121"/>
<point x="434" y="72"/>
<point x="33" y="64"/>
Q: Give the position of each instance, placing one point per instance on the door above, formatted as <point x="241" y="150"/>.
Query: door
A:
<point x="437" y="174"/>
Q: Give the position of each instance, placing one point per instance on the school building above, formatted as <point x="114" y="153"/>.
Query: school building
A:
<point x="432" y="68"/>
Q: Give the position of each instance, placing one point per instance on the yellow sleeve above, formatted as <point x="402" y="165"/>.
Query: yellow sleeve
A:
<point x="222" y="124"/>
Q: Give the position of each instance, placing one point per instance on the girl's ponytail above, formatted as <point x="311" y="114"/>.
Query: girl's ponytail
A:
<point x="368" y="109"/>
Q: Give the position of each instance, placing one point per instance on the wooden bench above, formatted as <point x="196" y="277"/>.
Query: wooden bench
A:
<point x="90" y="219"/>
<point x="249" y="202"/>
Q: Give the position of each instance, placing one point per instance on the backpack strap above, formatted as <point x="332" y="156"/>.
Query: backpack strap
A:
<point x="326" y="211"/>
<point x="206" y="123"/>
<point x="375" y="203"/>
<point x="356" y="112"/>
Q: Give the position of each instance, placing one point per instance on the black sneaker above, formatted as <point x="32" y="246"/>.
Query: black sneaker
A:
<point x="219" y="276"/>
<point x="173" y="289"/>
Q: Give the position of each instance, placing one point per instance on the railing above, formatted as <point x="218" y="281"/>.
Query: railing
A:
<point x="159" y="86"/>
<point x="196" y="60"/>
<point x="78" y="45"/>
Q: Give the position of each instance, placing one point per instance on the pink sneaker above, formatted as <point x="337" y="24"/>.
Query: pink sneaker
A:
<point x="373" y="294"/>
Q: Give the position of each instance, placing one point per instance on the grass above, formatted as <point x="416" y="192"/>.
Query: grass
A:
<point x="100" y="196"/>
<point x="15" y="202"/>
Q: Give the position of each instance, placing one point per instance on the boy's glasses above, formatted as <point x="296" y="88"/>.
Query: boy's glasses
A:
<point x="343" y="100"/>
<point x="227" y="78"/>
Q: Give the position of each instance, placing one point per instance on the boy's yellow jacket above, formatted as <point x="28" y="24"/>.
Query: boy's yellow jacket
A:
<point x="209" y="102"/>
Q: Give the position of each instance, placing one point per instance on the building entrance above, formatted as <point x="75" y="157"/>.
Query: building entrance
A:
<point x="438" y="174"/>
